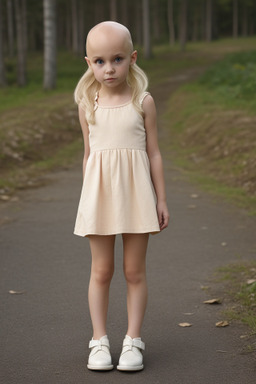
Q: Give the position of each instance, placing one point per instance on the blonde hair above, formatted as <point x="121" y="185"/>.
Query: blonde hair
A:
<point x="88" y="87"/>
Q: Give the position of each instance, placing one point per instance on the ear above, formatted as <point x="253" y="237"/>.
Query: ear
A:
<point x="87" y="61"/>
<point x="133" y="58"/>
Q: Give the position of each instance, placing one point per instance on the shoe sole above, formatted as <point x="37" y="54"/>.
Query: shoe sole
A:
<point x="100" y="368"/>
<point x="130" y="368"/>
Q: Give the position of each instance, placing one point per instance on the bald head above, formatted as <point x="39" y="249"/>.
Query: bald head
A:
<point x="108" y="31"/>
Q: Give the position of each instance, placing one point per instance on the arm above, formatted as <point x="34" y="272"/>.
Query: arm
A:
<point x="85" y="130"/>
<point x="155" y="159"/>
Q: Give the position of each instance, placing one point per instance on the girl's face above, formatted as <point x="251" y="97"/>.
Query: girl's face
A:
<point x="110" y="57"/>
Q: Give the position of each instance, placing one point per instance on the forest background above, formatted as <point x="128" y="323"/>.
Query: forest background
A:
<point x="211" y="122"/>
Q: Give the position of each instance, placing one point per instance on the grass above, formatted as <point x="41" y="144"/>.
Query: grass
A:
<point x="239" y="281"/>
<point x="212" y="129"/>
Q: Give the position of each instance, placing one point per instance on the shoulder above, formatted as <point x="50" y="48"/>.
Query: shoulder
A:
<point x="148" y="104"/>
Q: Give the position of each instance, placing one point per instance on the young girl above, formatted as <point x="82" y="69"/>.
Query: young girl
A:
<point x="123" y="189"/>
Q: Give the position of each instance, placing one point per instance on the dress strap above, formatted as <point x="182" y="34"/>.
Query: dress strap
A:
<point x="143" y="97"/>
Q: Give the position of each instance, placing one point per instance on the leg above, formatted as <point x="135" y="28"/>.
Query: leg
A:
<point x="135" y="248"/>
<point x="102" y="269"/>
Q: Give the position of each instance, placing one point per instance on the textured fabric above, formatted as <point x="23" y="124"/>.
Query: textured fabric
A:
<point x="117" y="194"/>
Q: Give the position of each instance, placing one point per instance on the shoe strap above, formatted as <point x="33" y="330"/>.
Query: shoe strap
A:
<point x="99" y="343"/>
<point x="134" y="343"/>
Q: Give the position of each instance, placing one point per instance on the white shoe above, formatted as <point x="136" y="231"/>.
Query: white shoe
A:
<point x="100" y="358"/>
<point x="131" y="358"/>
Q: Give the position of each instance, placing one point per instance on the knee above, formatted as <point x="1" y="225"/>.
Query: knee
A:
<point x="102" y="276"/>
<point x="134" y="276"/>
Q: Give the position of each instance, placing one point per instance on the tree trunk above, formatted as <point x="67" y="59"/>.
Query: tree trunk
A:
<point x="171" y="22"/>
<point x="24" y="25"/>
<point x="196" y="23"/>
<point x="3" y="81"/>
<point x="146" y="29"/>
<point x="183" y="24"/>
<point x="81" y="34"/>
<point x="99" y="11"/>
<point x="113" y="10"/>
<point x="235" y="19"/>
<point x="49" y="44"/>
<point x="138" y="17"/>
<point x="21" y="68"/>
<point x="68" y="26"/>
<point x="245" y="20"/>
<point x="125" y="13"/>
<point x="10" y="28"/>
<point x="208" y="26"/>
<point x="156" y="21"/>
<point x="74" y="12"/>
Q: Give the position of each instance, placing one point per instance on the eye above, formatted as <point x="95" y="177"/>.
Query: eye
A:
<point x="118" y="59"/>
<point x="99" y="61"/>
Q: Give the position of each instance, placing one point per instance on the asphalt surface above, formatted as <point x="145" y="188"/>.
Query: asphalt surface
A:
<point x="45" y="330"/>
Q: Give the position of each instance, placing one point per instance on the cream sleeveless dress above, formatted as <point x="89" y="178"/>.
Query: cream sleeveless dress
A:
<point x="117" y="194"/>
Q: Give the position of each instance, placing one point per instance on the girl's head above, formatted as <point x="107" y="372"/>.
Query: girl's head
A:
<point x="111" y="61"/>
<point x="110" y="53"/>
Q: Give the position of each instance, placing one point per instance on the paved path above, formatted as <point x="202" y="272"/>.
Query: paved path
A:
<point x="45" y="330"/>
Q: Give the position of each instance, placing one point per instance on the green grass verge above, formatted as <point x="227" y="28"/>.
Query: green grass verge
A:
<point x="211" y="131"/>
<point x="240" y="289"/>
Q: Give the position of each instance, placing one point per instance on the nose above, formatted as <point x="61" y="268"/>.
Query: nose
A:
<point x="109" y="68"/>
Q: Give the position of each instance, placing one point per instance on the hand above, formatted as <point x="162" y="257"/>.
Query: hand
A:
<point x="163" y="215"/>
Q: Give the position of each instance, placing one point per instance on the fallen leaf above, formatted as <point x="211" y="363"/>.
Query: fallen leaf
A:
<point x="220" y="351"/>
<point x="194" y="196"/>
<point x="221" y="324"/>
<point x="213" y="301"/>
<point x="191" y="206"/>
<point x="184" y="325"/>
<point x="16" y="292"/>
<point x="251" y="281"/>
<point x="5" y="197"/>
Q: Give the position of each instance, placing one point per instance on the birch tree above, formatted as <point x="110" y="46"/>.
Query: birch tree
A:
<point x="49" y="44"/>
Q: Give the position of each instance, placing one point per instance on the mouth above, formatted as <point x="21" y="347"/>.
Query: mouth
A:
<point x="110" y="79"/>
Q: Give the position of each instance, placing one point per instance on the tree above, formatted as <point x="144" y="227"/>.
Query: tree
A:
<point x="183" y="24"/>
<point x="171" y="22"/>
<point x="49" y="44"/>
<point x="10" y="29"/>
<point x="21" y="65"/>
<point x="235" y="18"/>
<point x="245" y="19"/>
<point x="146" y="29"/>
<point x="74" y="12"/>
<point x="113" y="10"/>
<point x="2" y="66"/>
<point x="208" y="25"/>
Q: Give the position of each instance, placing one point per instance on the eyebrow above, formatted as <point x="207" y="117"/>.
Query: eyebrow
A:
<point x="115" y="55"/>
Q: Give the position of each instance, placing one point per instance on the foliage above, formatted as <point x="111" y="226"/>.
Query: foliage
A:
<point x="234" y="77"/>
